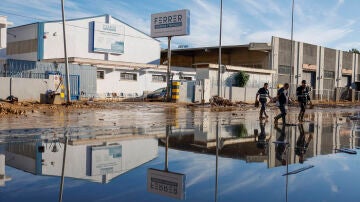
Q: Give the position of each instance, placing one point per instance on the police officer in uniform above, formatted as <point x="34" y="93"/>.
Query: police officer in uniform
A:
<point x="263" y="94"/>
<point x="302" y="92"/>
<point x="282" y="101"/>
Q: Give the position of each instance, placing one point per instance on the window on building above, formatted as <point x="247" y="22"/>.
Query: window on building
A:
<point x="187" y="78"/>
<point x="329" y="74"/>
<point x="128" y="76"/>
<point x="284" y="70"/>
<point x="158" y="78"/>
<point x="100" y="74"/>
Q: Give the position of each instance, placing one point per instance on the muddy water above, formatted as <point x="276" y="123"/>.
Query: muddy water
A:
<point x="220" y="156"/>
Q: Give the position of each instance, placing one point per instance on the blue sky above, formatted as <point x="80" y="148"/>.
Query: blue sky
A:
<point x="330" y="23"/>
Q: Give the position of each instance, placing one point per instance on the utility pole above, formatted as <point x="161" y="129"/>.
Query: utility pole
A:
<point x="68" y="101"/>
<point x="168" y="72"/>
<point x="219" y="70"/>
<point x="292" y="47"/>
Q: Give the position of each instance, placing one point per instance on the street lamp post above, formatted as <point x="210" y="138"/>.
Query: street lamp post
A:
<point x="65" y="56"/>
<point x="219" y="69"/>
<point x="292" y="46"/>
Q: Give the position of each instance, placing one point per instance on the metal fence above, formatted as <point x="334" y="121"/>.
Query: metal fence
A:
<point x="324" y="95"/>
<point x="40" y="70"/>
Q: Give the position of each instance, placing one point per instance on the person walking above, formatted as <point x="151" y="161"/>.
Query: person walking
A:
<point x="302" y="92"/>
<point x="263" y="94"/>
<point x="282" y="101"/>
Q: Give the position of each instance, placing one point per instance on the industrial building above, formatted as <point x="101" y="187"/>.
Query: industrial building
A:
<point x="109" y="56"/>
<point x="327" y="70"/>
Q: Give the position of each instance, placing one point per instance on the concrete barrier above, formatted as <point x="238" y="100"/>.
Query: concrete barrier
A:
<point x="24" y="88"/>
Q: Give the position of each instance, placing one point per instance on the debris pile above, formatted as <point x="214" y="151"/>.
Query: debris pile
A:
<point x="4" y="109"/>
<point x="219" y="101"/>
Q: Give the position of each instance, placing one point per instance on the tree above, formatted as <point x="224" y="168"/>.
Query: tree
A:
<point x="354" y="50"/>
<point x="241" y="78"/>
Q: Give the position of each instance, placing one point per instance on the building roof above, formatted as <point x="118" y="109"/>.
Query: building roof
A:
<point x="73" y="19"/>
<point x="250" y="46"/>
<point x="235" y="68"/>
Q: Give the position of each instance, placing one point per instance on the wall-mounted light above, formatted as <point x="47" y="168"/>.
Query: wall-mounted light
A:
<point x="45" y="35"/>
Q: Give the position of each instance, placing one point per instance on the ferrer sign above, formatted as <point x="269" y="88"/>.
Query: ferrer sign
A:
<point x="173" y="23"/>
<point x="166" y="183"/>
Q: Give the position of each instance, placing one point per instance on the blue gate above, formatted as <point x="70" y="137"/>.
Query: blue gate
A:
<point x="74" y="83"/>
<point x="74" y="87"/>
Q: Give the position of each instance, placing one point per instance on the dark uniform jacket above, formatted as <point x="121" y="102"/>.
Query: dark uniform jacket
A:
<point x="263" y="93"/>
<point x="283" y="96"/>
<point x="302" y="94"/>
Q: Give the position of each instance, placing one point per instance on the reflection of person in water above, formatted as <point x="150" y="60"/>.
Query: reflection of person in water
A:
<point x="302" y="143"/>
<point x="261" y="141"/>
<point x="281" y="145"/>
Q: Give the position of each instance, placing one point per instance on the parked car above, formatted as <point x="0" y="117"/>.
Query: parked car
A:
<point x="157" y="95"/>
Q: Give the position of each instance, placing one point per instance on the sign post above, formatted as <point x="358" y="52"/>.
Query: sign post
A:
<point x="168" y="71"/>
<point x="169" y="24"/>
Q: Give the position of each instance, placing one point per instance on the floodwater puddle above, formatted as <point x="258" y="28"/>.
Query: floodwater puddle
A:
<point x="160" y="153"/>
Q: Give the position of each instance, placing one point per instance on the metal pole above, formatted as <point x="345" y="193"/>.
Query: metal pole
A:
<point x="65" y="55"/>
<point x="168" y="72"/>
<point x="63" y="170"/>
<point x="292" y="46"/>
<point x="168" y="129"/>
<point x="219" y="70"/>
<point x="217" y="158"/>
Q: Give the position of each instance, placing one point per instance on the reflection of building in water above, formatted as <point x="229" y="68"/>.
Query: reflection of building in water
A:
<point x="322" y="135"/>
<point x="3" y="177"/>
<point x="97" y="161"/>
<point x="230" y="129"/>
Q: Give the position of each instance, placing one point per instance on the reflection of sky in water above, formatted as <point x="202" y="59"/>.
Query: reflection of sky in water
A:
<point x="331" y="179"/>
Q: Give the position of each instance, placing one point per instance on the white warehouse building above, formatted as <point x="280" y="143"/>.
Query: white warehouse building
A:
<point x="122" y="60"/>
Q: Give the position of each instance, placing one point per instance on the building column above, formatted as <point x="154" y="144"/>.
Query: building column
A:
<point x="353" y="67"/>
<point x="300" y="61"/>
<point x="338" y="68"/>
<point x="275" y="59"/>
<point x="318" y="134"/>
<point x="356" y="67"/>
<point x="2" y="170"/>
<point x="295" y="64"/>
<point x="320" y="74"/>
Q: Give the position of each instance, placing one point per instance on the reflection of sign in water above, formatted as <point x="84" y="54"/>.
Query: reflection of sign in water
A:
<point x="166" y="183"/>
<point x="108" y="38"/>
<point x="106" y="159"/>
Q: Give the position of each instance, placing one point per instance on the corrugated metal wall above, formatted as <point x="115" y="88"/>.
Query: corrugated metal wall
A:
<point x="22" y="68"/>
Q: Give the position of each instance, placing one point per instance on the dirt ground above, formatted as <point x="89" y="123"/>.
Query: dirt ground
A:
<point x="24" y="108"/>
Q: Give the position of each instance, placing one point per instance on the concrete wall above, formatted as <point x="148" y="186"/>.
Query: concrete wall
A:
<point x="319" y="58"/>
<point x="24" y="88"/>
<point x="187" y="92"/>
<point x="138" y="47"/>
<point x="112" y="83"/>
<point x="236" y="94"/>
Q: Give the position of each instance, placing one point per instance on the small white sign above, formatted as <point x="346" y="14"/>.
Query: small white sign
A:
<point x="108" y="38"/>
<point x="173" y="23"/>
<point x="106" y="159"/>
<point x="166" y="183"/>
